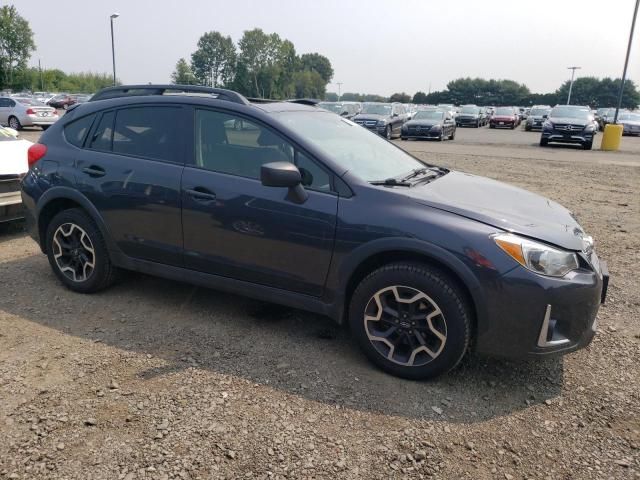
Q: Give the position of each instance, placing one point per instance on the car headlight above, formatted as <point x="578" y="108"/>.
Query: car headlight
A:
<point x="589" y="128"/>
<point x="547" y="125"/>
<point x="435" y="128"/>
<point x="382" y="123"/>
<point x="537" y="257"/>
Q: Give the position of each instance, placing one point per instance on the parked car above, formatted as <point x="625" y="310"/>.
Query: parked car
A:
<point x="469" y="115"/>
<point x="630" y="123"/>
<point x="433" y="123"/>
<point x="383" y="118"/>
<point x="62" y="100"/>
<point x="569" y="124"/>
<point x="26" y="112"/>
<point x="537" y="115"/>
<point x="13" y="165"/>
<point x="347" y="110"/>
<point x="608" y="116"/>
<point x="504" y="117"/>
<point x="312" y="212"/>
<point x="448" y="107"/>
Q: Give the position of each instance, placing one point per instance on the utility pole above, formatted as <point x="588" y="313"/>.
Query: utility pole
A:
<point x="339" y="90"/>
<point x="41" y="78"/>
<point x="626" y="62"/>
<point x="113" y="48"/>
<point x="573" y="74"/>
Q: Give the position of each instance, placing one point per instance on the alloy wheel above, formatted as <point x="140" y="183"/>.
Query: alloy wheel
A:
<point x="405" y="326"/>
<point x="14" y="123"/>
<point x="73" y="252"/>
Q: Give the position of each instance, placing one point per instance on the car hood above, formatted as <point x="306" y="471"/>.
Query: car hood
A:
<point x="13" y="157"/>
<point x="503" y="206"/>
<point x="423" y="123"/>
<point x="572" y="121"/>
<point x="468" y="114"/>
<point x="370" y="116"/>
<point x="503" y="117"/>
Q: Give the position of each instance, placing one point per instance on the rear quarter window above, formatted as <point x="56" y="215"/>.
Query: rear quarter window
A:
<point x="76" y="131"/>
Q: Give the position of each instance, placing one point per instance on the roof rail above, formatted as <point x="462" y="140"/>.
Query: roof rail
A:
<point x="305" y="101"/>
<point x="144" y="90"/>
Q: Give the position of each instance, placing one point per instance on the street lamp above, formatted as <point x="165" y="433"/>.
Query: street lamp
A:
<point x="113" y="49"/>
<point x="573" y="73"/>
<point x="339" y="90"/>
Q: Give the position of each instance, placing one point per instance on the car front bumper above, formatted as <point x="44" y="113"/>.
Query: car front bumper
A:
<point x="534" y="316"/>
<point x="562" y="137"/>
<point x="421" y="133"/>
<point x="502" y="123"/>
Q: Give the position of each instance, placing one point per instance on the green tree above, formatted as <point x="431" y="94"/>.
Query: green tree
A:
<point x="331" y="97"/>
<point x="254" y="50"/>
<point x="400" y="97"/>
<point x="16" y="44"/>
<point x="183" y="75"/>
<point x="308" y="84"/>
<point x="317" y="63"/>
<point x="598" y="93"/>
<point x="420" y="98"/>
<point x="214" y="62"/>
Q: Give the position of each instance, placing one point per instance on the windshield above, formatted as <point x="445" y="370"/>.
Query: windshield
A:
<point x="632" y="117"/>
<point x="365" y="154"/>
<point x="5" y="136"/>
<point x="504" y="111"/>
<point x="429" y="115"/>
<point x="376" y="109"/>
<point x="30" y="101"/>
<point x="539" y="112"/>
<point x="472" y="110"/>
<point x="570" y="112"/>
<point x="331" y="107"/>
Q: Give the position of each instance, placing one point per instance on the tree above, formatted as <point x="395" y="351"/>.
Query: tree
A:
<point x="16" y="44"/>
<point x="317" y="63"/>
<point x="419" y="98"/>
<point x="308" y="84"/>
<point x="183" y="75"/>
<point x="598" y="93"/>
<point x="400" y="97"/>
<point x="214" y="62"/>
<point x="254" y="47"/>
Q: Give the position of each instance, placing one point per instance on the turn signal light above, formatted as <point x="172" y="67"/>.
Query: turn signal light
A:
<point x="35" y="153"/>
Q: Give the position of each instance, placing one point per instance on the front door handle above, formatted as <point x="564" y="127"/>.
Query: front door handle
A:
<point x="94" y="171"/>
<point x="201" y="194"/>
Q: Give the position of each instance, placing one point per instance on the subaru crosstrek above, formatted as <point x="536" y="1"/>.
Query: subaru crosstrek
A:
<point x="304" y="208"/>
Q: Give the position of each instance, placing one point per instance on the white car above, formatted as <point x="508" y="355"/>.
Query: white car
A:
<point x="13" y="166"/>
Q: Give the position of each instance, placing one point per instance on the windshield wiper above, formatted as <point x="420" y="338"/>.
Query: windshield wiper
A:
<point x="392" y="182"/>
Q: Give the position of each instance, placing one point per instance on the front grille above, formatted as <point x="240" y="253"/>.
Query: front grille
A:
<point x="9" y="183"/>
<point x="567" y="127"/>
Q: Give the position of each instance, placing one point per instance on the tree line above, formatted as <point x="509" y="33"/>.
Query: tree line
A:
<point x="591" y="91"/>
<point x="261" y="65"/>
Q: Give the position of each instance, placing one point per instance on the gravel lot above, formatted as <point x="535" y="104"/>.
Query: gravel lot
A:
<point x="159" y="379"/>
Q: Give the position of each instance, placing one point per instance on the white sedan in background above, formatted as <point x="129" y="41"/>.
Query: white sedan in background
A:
<point x="13" y="166"/>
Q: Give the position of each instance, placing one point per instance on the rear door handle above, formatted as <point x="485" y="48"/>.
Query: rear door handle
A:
<point x="201" y="194"/>
<point x="94" y="171"/>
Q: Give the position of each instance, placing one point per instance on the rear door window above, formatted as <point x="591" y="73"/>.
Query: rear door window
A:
<point x="76" y="131"/>
<point x="101" y="138"/>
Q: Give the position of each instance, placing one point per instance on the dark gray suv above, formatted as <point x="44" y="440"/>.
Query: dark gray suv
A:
<point x="385" y="119"/>
<point x="301" y="207"/>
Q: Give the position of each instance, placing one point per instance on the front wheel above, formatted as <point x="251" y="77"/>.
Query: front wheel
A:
<point x="387" y="132"/>
<point x="453" y="134"/>
<point x="544" y="142"/>
<point x="77" y="252"/>
<point x="15" y="123"/>
<point x="411" y="320"/>
<point x="588" y="145"/>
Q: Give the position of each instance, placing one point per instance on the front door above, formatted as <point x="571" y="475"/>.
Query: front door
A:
<point x="130" y="170"/>
<point x="236" y="227"/>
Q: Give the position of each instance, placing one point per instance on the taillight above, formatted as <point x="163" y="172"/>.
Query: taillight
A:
<point x="30" y="111"/>
<point x="35" y="153"/>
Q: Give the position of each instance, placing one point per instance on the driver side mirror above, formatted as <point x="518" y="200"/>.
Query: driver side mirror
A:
<point x="284" y="175"/>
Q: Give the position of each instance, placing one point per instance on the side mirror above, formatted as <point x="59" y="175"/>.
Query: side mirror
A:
<point x="344" y="114"/>
<point x="284" y="175"/>
<point x="394" y="115"/>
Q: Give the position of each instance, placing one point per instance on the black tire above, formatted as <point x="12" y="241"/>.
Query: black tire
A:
<point x="438" y="289"/>
<point x="103" y="272"/>
<point x="387" y="132"/>
<point x="44" y="127"/>
<point x="442" y="136"/>
<point x="403" y="138"/>
<point x="14" y="123"/>
<point x="453" y="134"/>
<point x="492" y="126"/>
<point x="527" y="128"/>
<point x="544" y="142"/>
<point x="588" y="145"/>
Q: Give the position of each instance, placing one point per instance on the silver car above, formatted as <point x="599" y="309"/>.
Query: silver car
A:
<point x="26" y="112"/>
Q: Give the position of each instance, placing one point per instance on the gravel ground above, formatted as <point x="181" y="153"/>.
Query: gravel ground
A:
<point x="157" y="379"/>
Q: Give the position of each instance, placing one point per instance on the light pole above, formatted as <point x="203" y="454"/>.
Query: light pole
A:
<point x="573" y="74"/>
<point x="339" y="90"/>
<point x="113" y="48"/>
<point x="626" y="62"/>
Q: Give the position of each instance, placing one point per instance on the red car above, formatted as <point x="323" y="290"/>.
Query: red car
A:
<point x="63" y="101"/>
<point x="504" y="117"/>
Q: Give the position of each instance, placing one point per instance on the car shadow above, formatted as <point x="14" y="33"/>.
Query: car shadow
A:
<point x="287" y="349"/>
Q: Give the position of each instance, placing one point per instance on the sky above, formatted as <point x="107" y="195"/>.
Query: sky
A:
<point x="374" y="46"/>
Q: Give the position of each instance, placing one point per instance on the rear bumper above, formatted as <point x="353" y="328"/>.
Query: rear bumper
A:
<point x="11" y="206"/>
<point x="534" y="316"/>
<point x="31" y="120"/>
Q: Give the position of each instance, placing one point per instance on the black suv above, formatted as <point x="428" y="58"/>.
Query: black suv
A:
<point x="384" y="118"/>
<point x="569" y="124"/>
<point x="288" y="203"/>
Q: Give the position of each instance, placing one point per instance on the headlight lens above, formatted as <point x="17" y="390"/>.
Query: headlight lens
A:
<point x="382" y="123"/>
<point x="435" y="128"/>
<point x="548" y="125"/>
<point x="537" y="257"/>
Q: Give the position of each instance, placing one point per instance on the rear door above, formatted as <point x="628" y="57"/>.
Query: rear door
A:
<point x="130" y="169"/>
<point x="238" y="228"/>
<point x="6" y="106"/>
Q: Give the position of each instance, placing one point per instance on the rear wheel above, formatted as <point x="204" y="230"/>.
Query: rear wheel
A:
<point x="77" y="252"/>
<point x="411" y="320"/>
<point x="15" y="123"/>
